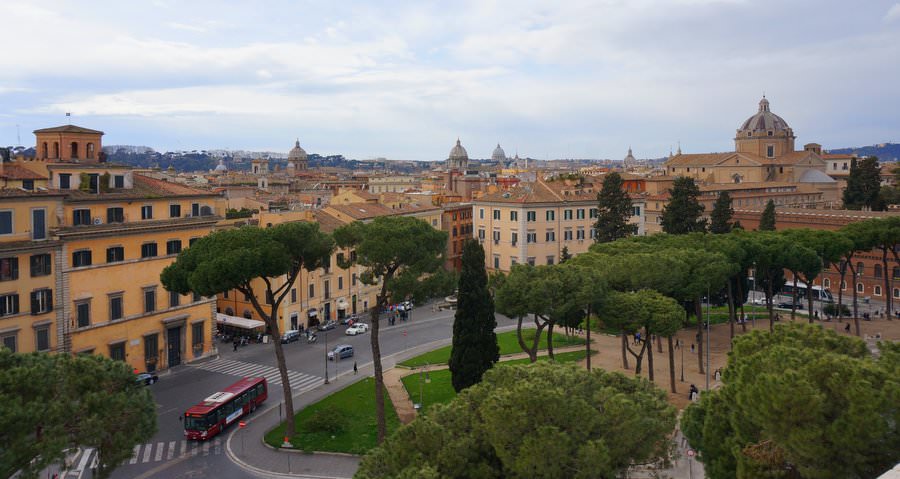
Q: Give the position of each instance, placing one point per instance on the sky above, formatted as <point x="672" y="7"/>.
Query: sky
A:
<point x="404" y="80"/>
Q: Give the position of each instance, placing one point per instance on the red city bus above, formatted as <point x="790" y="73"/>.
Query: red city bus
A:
<point x="216" y="412"/>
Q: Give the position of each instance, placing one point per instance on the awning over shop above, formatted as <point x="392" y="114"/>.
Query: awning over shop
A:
<point x="238" y="322"/>
<point x="312" y="313"/>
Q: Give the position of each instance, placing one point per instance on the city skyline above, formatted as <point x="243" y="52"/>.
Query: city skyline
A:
<point x="580" y="80"/>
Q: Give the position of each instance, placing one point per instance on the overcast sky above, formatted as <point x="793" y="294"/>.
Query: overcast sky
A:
<point x="403" y="80"/>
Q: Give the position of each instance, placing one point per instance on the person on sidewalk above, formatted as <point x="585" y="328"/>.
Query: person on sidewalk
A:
<point x="847" y="328"/>
<point x="355" y="370"/>
<point x="236" y="342"/>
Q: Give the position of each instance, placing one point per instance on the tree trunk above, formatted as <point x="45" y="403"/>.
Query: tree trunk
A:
<point x="888" y="299"/>
<point x="639" y="357"/>
<point x="769" y="306"/>
<point x="625" y="350"/>
<point x="840" y="308"/>
<point x="671" y="365"/>
<point x="809" y="299"/>
<point x="588" y="338"/>
<point x="855" y="300"/>
<point x="794" y="297"/>
<point x="536" y="342"/>
<point x="731" y="310"/>
<point x="699" y="312"/>
<point x="550" y="340"/>
<point x="521" y="339"/>
<point x="659" y="344"/>
<point x="376" y="361"/>
<point x="649" y="356"/>
<point x="740" y="292"/>
<point x="272" y="322"/>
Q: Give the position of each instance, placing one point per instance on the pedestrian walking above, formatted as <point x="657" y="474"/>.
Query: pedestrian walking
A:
<point x="355" y="370"/>
<point x="847" y="328"/>
<point x="692" y="394"/>
<point x="692" y="348"/>
<point x="816" y="315"/>
<point x="718" y="374"/>
<point x="236" y="342"/>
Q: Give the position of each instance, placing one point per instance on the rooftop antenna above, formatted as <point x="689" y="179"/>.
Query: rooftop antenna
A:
<point x="18" y="136"/>
<point x="69" y="117"/>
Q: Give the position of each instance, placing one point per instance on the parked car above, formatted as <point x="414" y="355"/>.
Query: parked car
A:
<point x="347" y="319"/>
<point x="146" y="378"/>
<point x="787" y="305"/>
<point x="341" y="351"/>
<point x="290" y="336"/>
<point x="357" y="328"/>
<point x="327" y="325"/>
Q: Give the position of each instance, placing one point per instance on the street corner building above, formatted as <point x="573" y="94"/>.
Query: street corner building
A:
<point x="82" y="245"/>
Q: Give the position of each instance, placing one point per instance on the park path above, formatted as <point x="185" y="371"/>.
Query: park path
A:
<point x="406" y="412"/>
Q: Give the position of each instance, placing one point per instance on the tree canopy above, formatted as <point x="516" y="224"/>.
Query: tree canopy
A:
<point x="767" y="220"/>
<point x="863" y="184"/>
<point x="722" y="213"/>
<point x="542" y="420"/>
<point x="475" y="348"/>
<point x="683" y="212"/>
<point x="52" y="402"/>
<point x="613" y="211"/>
<point x="804" y="402"/>
<point x="396" y="251"/>
<point x="250" y="260"/>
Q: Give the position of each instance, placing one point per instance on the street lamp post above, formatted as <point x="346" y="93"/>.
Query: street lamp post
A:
<point x="708" y="300"/>
<point x="753" y="301"/>
<point x="681" y="346"/>
<point x="326" y="356"/>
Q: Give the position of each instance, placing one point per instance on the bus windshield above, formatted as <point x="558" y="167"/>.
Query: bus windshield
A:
<point x="195" y="423"/>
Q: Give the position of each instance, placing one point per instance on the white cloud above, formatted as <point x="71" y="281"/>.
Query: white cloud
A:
<point x="893" y="13"/>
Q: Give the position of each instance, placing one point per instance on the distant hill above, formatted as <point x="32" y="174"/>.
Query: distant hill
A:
<point x="885" y="152"/>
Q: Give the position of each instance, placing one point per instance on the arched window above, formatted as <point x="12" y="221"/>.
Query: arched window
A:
<point x="860" y="268"/>
<point x="878" y="271"/>
<point x="45" y="151"/>
<point x="248" y="314"/>
<point x="229" y="311"/>
<point x="897" y="292"/>
<point x="55" y="149"/>
<point x="826" y="283"/>
<point x="74" y="148"/>
<point x="860" y="288"/>
<point x="90" y="150"/>
<point x="877" y="290"/>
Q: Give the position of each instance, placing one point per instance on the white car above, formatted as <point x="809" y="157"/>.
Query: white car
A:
<point x="357" y="328"/>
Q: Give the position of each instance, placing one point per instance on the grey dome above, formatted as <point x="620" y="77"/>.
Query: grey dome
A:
<point x="221" y="166"/>
<point x="815" y="176"/>
<point x="297" y="153"/>
<point x="764" y="120"/>
<point x="498" y="154"/>
<point x="458" y="152"/>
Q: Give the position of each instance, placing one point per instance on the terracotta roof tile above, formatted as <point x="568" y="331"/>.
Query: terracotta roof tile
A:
<point x="327" y="222"/>
<point x="68" y="129"/>
<point x="16" y="172"/>
<point x="693" y="159"/>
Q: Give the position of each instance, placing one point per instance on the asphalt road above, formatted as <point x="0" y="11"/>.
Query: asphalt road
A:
<point x="168" y="455"/>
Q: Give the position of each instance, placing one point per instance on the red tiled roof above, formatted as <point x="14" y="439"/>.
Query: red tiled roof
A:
<point x="16" y="172"/>
<point x="68" y="129"/>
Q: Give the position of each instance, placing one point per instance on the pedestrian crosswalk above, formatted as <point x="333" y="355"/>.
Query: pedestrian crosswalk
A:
<point x="166" y="451"/>
<point x="299" y="381"/>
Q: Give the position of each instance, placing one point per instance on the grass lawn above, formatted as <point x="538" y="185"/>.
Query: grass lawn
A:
<point x="440" y="389"/>
<point x="356" y="404"/>
<point x="507" y="342"/>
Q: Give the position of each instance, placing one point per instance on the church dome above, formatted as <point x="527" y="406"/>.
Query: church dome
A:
<point x="296" y="152"/>
<point x="764" y="120"/>
<point x="221" y="166"/>
<point x="498" y="154"/>
<point x="458" y="152"/>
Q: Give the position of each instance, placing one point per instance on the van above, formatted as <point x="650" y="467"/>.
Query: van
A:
<point x="290" y="336"/>
<point x="341" y="351"/>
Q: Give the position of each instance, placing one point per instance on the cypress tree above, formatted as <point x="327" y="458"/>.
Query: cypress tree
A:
<point x="682" y="214"/>
<point x="475" y="348"/>
<point x="721" y="215"/>
<point x="767" y="221"/>
<point x="613" y="211"/>
<point x="863" y="184"/>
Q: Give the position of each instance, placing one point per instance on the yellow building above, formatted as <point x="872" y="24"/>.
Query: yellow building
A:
<point x="96" y="239"/>
<point x="532" y="223"/>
